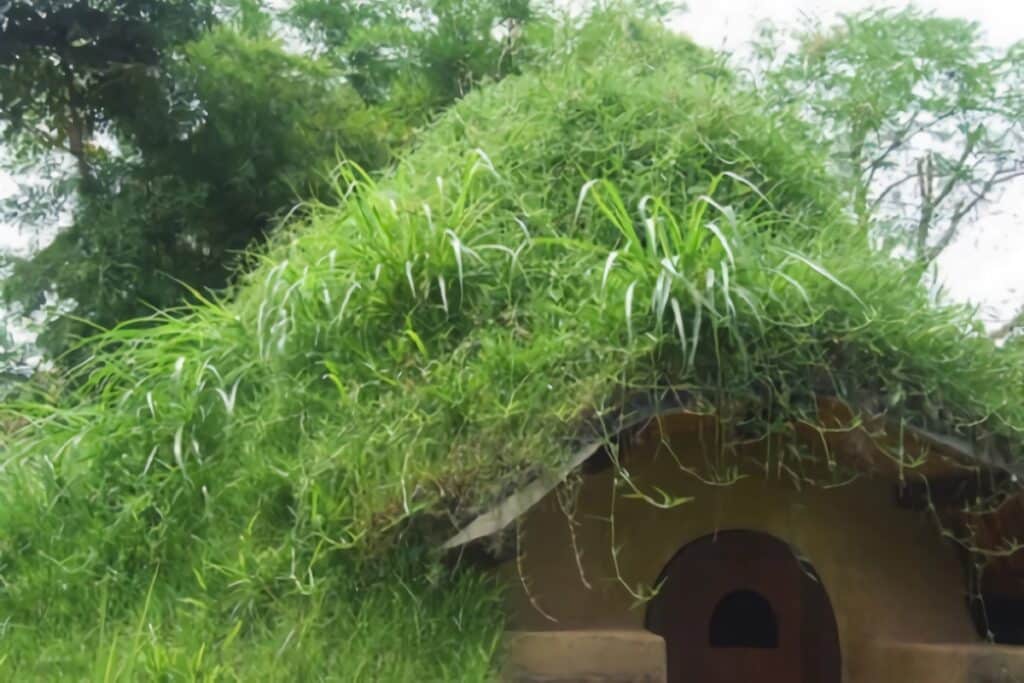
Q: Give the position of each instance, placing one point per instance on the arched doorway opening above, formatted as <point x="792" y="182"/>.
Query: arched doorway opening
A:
<point x="740" y="606"/>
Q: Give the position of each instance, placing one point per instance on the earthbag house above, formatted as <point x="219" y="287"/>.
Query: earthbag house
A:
<point x="820" y="487"/>
<point x="671" y="550"/>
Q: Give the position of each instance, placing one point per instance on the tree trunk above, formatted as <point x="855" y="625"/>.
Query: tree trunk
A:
<point x="77" y="129"/>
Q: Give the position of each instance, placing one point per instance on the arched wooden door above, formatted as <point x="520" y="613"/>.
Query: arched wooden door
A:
<point x="739" y="606"/>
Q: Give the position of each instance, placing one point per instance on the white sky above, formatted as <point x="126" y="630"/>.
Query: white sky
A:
<point x="984" y="266"/>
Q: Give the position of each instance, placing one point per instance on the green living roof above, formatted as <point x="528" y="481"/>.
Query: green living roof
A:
<point x="260" y="484"/>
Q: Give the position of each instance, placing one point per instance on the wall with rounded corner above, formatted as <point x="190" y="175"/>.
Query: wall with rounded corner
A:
<point x="588" y="557"/>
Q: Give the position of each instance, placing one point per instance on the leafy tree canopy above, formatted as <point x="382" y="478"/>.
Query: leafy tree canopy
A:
<point x="69" y="67"/>
<point x="191" y="143"/>
<point x="186" y="192"/>
<point x="925" y="120"/>
<point x="424" y="54"/>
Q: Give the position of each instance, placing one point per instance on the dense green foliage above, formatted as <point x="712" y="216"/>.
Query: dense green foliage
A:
<point x="255" y="487"/>
<point x="190" y="148"/>
<point x="190" y="190"/>
<point x="69" y="68"/>
<point x="424" y="54"/>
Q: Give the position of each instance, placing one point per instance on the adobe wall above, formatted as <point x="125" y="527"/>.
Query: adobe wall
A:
<point x="887" y="571"/>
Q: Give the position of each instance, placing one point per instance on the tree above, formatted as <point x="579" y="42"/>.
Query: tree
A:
<point x="242" y="129"/>
<point x="68" y="68"/>
<point x="1011" y="327"/>
<point x="70" y="71"/>
<point x="191" y="139"/>
<point x="925" y="121"/>
<point x="424" y="54"/>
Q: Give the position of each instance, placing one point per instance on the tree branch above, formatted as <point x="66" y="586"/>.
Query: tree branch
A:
<point x="931" y="201"/>
<point x="1009" y="326"/>
<point x="925" y="181"/>
<point x="964" y="208"/>
<point x="882" y="195"/>
<point x="904" y="135"/>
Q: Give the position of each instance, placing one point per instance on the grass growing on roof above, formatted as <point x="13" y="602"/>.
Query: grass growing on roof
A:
<point x="256" y="489"/>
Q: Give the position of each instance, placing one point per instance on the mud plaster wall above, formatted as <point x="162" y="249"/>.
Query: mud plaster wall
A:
<point x="887" y="571"/>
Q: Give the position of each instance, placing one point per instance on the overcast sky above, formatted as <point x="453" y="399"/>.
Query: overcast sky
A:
<point x="985" y="265"/>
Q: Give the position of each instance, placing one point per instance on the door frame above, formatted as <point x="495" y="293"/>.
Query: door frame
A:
<point x="817" y="639"/>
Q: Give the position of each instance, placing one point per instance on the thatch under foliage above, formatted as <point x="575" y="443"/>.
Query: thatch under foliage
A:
<point x="261" y="485"/>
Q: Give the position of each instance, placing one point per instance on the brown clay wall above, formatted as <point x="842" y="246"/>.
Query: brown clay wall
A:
<point x="887" y="571"/>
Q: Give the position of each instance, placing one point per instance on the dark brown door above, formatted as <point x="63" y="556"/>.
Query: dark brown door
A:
<point x="739" y="606"/>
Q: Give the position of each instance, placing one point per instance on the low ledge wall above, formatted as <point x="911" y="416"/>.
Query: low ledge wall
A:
<point x="949" y="662"/>
<point x="627" y="656"/>
<point x="584" y="657"/>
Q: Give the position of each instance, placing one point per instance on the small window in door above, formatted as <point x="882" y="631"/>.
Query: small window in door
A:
<point x="744" y="618"/>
